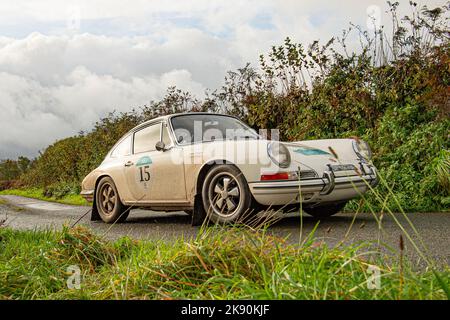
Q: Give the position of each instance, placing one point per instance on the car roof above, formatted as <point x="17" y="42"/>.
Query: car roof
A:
<point x="166" y="117"/>
<point x="162" y="118"/>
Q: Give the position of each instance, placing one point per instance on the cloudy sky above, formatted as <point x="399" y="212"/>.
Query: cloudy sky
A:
<point x="64" y="64"/>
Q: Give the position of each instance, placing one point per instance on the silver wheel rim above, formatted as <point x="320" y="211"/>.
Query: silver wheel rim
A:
<point x="107" y="199"/>
<point x="224" y="194"/>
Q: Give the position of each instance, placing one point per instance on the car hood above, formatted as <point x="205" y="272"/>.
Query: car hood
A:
<point x="318" y="154"/>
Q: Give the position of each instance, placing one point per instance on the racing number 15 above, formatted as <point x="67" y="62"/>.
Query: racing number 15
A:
<point x="145" y="175"/>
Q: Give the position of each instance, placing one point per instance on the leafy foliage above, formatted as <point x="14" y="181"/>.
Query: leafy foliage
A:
<point x="12" y="169"/>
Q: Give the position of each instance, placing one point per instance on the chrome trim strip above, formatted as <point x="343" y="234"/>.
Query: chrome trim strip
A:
<point x="324" y="186"/>
<point x="288" y="184"/>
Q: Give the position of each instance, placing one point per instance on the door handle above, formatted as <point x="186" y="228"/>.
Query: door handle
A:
<point x="129" y="164"/>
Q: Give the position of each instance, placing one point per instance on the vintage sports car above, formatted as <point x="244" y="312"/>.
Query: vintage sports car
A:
<point x="215" y="166"/>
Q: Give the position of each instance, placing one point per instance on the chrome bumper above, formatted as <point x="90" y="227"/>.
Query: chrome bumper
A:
<point x="88" y="195"/>
<point x="324" y="186"/>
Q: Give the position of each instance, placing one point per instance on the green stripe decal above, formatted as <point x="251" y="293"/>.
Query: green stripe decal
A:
<point x="144" y="161"/>
<point x="311" y="152"/>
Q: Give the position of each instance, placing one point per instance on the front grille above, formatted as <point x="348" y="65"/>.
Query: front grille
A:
<point x="307" y="174"/>
<point x="344" y="170"/>
<point x="342" y="167"/>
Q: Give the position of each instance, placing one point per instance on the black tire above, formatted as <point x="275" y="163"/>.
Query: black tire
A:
<point x="226" y="195"/>
<point x="108" y="203"/>
<point x="324" y="211"/>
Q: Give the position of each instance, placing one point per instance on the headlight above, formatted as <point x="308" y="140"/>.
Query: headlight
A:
<point x="362" y="149"/>
<point x="279" y="154"/>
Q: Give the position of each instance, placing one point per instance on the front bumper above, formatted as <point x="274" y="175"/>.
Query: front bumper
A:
<point x="331" y="187"/>
<point x="88" y="195"/>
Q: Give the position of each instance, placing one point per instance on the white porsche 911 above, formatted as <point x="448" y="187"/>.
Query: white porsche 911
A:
<point x="215" y="166"/>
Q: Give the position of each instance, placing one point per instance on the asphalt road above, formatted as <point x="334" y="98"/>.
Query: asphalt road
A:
<point x="434" y="228"/>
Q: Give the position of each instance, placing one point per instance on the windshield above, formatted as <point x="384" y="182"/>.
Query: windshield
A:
<point x="192" y="128"/>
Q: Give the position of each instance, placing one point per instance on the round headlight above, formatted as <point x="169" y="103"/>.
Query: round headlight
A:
<point x="362" y="149"/>
<point x="279" y="154"/>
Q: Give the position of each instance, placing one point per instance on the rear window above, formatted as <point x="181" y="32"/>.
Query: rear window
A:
<point x="123" y="148"/>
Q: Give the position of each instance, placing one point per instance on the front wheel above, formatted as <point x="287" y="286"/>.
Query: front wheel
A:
<point x="226" y="195"/>
<point x="324" y="211"/>
<point x="108" y="203"/>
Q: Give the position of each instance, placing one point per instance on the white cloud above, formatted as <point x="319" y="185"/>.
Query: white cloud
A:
<point x="34" y="115"/>
<point x="55" y="86"/>
<point x="49" y="58"/>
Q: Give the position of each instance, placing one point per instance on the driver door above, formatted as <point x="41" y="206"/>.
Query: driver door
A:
<point x="153" y="176"/>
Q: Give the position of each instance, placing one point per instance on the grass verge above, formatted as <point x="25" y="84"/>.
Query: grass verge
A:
<point x="221" y="263"/>
<point x="38" y="193"/>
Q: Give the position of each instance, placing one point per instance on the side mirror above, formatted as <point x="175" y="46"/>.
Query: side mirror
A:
<point x="160" y="146"/>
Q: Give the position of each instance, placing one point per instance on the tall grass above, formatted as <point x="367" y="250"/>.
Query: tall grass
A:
<point x="220" y="263"/>
<point x="381" y="199"/>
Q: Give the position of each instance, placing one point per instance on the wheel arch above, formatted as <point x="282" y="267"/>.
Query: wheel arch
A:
<point x="199" y="214"/>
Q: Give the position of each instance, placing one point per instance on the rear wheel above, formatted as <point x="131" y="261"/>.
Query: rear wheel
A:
<point x="108" y="203"/>
<point x="323" y="211"/>
<point x="225" y="194"/>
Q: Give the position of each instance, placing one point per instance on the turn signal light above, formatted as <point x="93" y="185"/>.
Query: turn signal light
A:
<point x="276" y="176"/>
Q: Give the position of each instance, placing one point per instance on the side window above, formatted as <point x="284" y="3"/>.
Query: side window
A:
<point x="146" y="139"/>
<point x="122" y="149"/>
<point x="165" y="137"/>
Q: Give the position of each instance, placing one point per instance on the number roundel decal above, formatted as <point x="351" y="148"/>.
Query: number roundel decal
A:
<point x="144" y="168"/>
